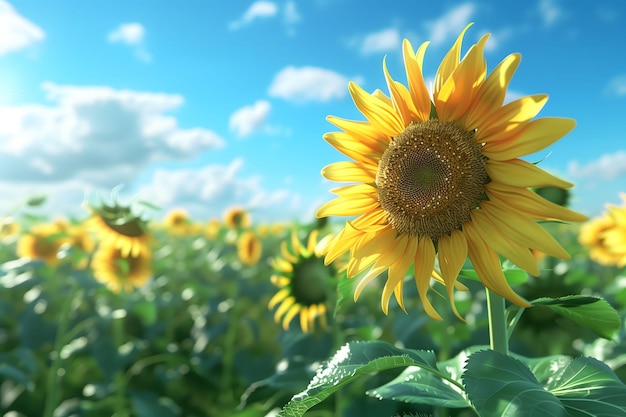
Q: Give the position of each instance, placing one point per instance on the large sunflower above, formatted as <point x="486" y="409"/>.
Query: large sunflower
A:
<point x="118" y="225"/>
<point x="440" y="176"/>
<point x="43" y="241"/>
<point x="119" y="270"/>
<point x="303" y="281"/>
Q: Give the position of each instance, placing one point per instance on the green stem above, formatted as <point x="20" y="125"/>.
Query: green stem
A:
<point x="117" y="330"/>
<point x="52" y="380"/>
<point x="497" y="323"/>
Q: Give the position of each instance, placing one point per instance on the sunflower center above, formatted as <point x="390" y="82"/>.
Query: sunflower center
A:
<point x="430" y="178"/>
<point x="308" y="281"/>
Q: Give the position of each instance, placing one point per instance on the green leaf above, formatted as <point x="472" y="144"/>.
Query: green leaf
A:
<point x="147" y="311"/>
<point x="420" y="386"/>
<point x="350" y="362"/>
<point x="345" y="291"/>
<point x="502" y="386"/>
<point x="513" y="275"/>
<point x="588" y="387"/>
<point x="592" y="313"/>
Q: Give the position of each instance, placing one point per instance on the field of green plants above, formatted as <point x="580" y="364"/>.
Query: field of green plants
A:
<point x="198" y="338"/>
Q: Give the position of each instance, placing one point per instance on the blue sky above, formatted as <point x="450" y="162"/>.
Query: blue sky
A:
<point x="210" y="104"/>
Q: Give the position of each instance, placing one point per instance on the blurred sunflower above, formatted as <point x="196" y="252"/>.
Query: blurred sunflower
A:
<point x="237" y="218"/>
<point x="440" y="176"/>
<point x="605" y="236"/>
<point x="43" y="241"/>
<point x="305" y="283"/>
<point x="212" y="229"/>
<point x="119" y="270"/>
<point x="249" y="248"/>
<point x="81" y="239"/>
<point x="177" y="222"/>
<point x="9" y="228"/>
<point x="117" y="225"/>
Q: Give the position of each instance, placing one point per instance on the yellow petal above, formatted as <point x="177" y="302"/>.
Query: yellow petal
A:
<point x="355" y="147"/>
<point x="452" y="256"/>
<point x="312" y="241"/>
<point x="371" y="248"/>
<point x="456" y="94"/>
<point x="449" y="63"/>
<point x="348" y="204"/>
<point x="510" y="116"/>
<point x="401" y="98"/>
<point x="424" y="263"/>
<point x="290" y="315"/>
<point x="371" y="221"/>
<point x="535" y="136"/>
<point x="286" y="254"/>
<point x="282" y="265"/>
<point x="350" y="172"/>
<point x="284" y="306"/>
<point x="520" y="173"/>
<point x="497" y="239"/>
<point x="342" y="243"/>
<point x="415" y="79"/>
<point x="397" y="270"/>
<point x="524" y="231"/>
<point x="304" y="319"/>
<point x="491" y="93"/>
<point x="530" y="203"/>
<point x="379" y="113"/>
<point x="487" y="265"/>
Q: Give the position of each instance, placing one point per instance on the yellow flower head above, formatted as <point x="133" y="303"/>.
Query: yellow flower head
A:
<point x="8" y="228"/>
<point x="177" y="222"/>
<point x="249" y="248"/>
<point x="605" y="236"/>
<point x="81" y="239"/>
<point x="119" y="270"/>
<point x="438" y="176"/>
<point x="304" y="283"/>
<point x="237" y="218"/>
<point x="119" y="226"/>
<point x="43" y="241"/>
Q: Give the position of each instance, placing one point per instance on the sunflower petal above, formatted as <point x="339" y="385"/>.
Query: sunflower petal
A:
<point x="397" y="270"/>
<point x="348" y="171"/>
<point x="519" y="173"/>
<point x="449" y="63"/>
<point x="452" y="255"/>
<point x="424" y="263"/>
<point x="487" y="265"/>
<point x="510" y="116"/>
<point x="379" y="113"/>
<point x="415" y="79"/>
<point x="491" y="93"/>
<point x="535" y="136"/>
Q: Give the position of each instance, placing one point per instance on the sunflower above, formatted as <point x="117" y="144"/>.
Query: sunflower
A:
<point x="81" y="239"/>
<point x="177" y="222"/>
<point x="439" y="176"/>
<point x="9" y="228"/>
<point x="43" y="241"/>
<point x="119" y="270"/>
<point x="605" y="236"/>
<point x="237" y="218"/>
<point x="117" y="225"/>
<point x="249" y="248"/>
<point x="304" y="282"/>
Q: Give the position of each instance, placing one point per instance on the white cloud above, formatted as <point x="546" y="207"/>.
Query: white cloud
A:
<point x="308" y="84"/>
<point x="97" y="137"/>
<point x="16" y="32"/>
<point x="257" y="10"/>
<point x="381" y="41"/>
<point x="131" y="34"/>
<point x="549" y="12"/>
<point x="617" y="86"/>
<point x="450" y="24"/>
<point x="607" y="167"/>
<point x="208" y="191"/>
<point x="249" y="119"/>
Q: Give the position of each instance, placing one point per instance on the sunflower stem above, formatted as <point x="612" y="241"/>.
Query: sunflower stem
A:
<point x="497" y="323"/>
<point x="52" y="382"/>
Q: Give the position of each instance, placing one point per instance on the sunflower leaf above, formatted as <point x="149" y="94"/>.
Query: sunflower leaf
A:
<point x="592" y="313"/>
<point x="513" y="275"/>
<point x="352" y="361"/>
<point x="421" y="386"/>
<point x="588" y="387"/>
<point x="500" y="385"/>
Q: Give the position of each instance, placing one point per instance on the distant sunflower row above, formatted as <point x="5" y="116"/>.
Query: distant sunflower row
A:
<point x="605" y="236"/>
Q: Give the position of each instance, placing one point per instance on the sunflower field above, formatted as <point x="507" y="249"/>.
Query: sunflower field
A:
<point x="448" y="278"/>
